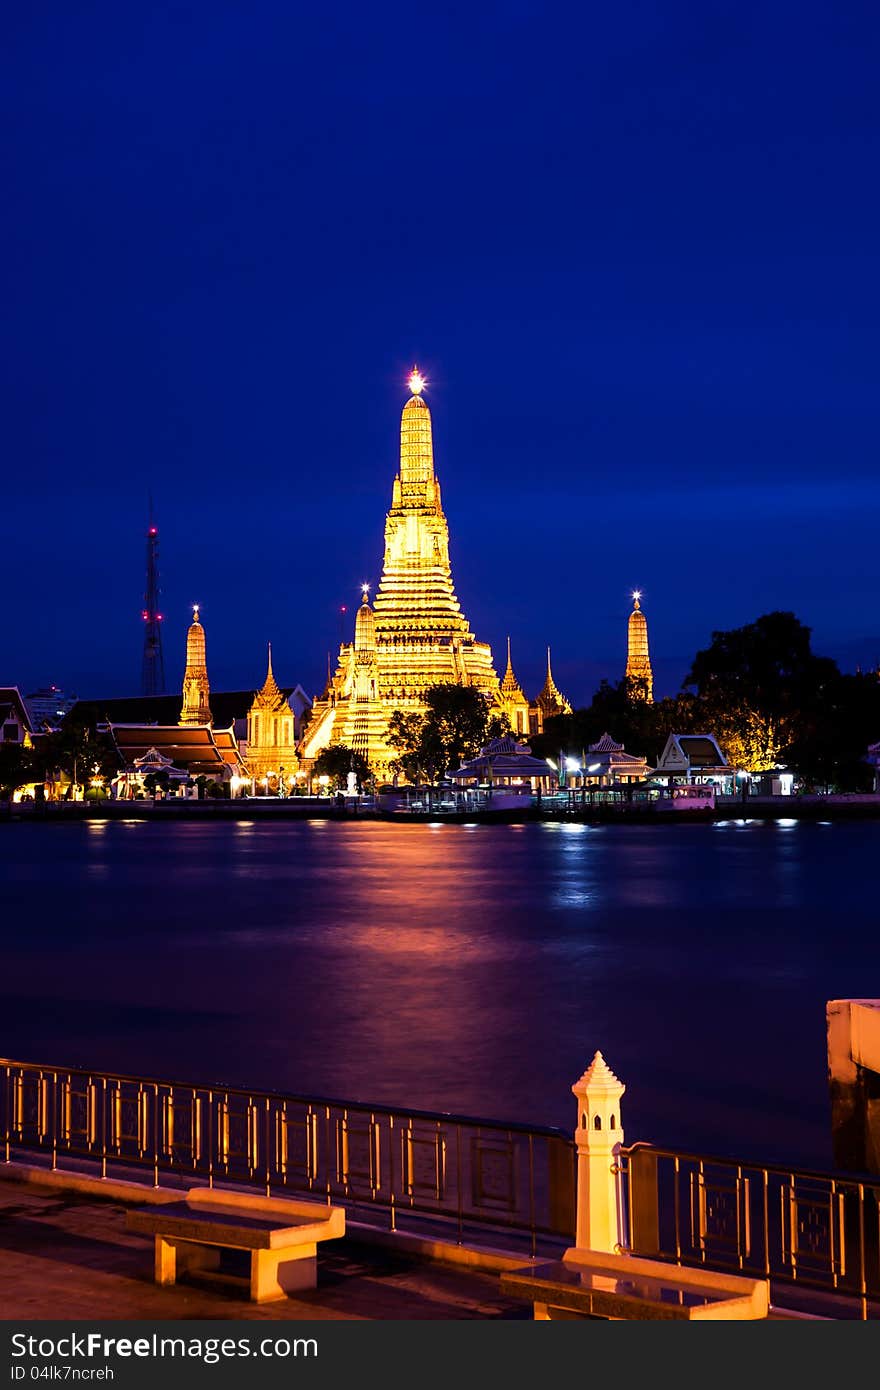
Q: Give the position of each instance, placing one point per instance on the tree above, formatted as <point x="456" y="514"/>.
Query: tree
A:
<point x="456" y="723"/>
<point x="830" y="742"/>
<point x="620" y="711"/>
<point x="157" y="781"/>
<point x="337" y="761"/>
<point x="78" y="752"/>
<point x="757" y="686"/>
<point x="15" y="769"/>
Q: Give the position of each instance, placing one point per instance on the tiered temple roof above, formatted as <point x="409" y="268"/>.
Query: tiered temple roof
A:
<point x="195" y="748"/>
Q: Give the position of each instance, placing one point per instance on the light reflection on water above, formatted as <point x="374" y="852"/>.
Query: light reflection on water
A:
<point x="474" y="969"/>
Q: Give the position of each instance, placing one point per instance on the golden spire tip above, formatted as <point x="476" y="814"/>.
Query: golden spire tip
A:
<point x="416" y="381"/>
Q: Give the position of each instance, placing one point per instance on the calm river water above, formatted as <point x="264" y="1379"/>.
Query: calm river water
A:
<point x="473" y="969"/>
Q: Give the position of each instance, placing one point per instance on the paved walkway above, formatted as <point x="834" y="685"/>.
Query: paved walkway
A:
<point x="66" y="1255"/>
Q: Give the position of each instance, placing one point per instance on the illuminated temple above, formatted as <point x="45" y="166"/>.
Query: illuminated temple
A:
<point x="415" y="634"/>
<point x="638" y="658"/>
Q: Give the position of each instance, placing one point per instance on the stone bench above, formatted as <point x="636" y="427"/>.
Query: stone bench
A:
<point x="593" y="1284"/>
<point x="279" y="1233"/>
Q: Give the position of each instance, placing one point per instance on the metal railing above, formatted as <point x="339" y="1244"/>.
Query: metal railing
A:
<point x="818" y="1231"/>
<point x="463" y="1176"/>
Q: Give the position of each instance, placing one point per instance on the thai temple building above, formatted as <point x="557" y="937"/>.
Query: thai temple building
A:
<point x="271" y="736"/>
<point x="513" y="701"/>
<point x="415" y="634"/>
<point x="527" y="716"/>
<point x="196" y="691"/>
<point x="187" y="749"/>
<point x="638" y="659"/>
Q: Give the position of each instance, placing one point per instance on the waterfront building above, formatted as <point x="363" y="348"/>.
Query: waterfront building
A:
<point x="186" y="751"/>
<point x="196" y="707"/>
<point x="694" y="758"/>
<point x="606" y="764"/>
<point x="415" y="634"/>
<point x="638" y="657"/>
<point x="15" y="720"/>
<point x="271" y="737"/>
<point x="504" y="775"/>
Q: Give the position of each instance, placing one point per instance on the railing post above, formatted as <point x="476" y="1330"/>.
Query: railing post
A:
<point x="598" y="1138"/>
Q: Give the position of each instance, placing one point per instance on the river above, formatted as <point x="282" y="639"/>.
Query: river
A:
<point x="466" y="968"/>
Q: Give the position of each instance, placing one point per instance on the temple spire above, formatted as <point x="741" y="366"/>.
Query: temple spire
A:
<point x="196" y="690"/>
<point x="551" y="700"/>
<point x="416" y="449"/>
<point x="510" y="685"/>
<point x="638" y="659"/>
<point x="270" y="689"/>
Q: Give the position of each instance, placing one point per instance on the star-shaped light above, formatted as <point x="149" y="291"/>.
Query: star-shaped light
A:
<point x="416" y="382"/>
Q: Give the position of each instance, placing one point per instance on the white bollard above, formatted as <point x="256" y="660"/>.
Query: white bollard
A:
<point x="598" y="1139"/>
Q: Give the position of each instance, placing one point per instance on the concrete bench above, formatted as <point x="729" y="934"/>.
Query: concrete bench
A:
<point x="280" y="1234"/>
<point x="593" y="1284"/>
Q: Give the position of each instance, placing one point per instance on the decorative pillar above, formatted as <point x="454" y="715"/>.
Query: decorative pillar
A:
<point x="598" y="1138"/>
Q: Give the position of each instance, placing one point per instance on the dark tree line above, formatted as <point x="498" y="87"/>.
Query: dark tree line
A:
<point x="769" y="699"/>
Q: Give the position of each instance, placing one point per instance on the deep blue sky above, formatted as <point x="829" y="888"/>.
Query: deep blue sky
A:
<point x="634" y="248"/>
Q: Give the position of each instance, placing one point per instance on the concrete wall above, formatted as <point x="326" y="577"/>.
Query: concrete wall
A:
<point x="854" y="1080"/>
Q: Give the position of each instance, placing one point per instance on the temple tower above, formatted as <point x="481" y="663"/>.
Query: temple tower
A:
<point x="550" y="700"/>
<point x="638" y="660"/>
<point x="196" y="691"/>
<point x="415" y="634"/>
<point x="271" y="754"/>
<point x="512" y="699"/>
<point x="422" y="636"/>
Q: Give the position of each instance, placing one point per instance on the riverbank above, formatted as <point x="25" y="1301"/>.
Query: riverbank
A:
<point x="807" y="808"/>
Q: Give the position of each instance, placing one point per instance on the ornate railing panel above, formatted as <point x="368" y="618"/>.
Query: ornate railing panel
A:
<point x="820" y="1231"/>
<point x="466" y="1174"/>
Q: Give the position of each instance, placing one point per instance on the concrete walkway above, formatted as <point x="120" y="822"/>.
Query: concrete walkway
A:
<point x="68" y="1255"/>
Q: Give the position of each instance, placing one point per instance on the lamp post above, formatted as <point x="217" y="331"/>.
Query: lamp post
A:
<point x="552" y="766"/>
<point x="594" y="767"/>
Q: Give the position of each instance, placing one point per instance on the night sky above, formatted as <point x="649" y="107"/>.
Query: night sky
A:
<point x="634" y="249"/>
